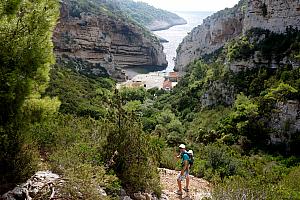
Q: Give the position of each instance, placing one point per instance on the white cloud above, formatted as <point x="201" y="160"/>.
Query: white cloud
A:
<point x="191" y="5"/>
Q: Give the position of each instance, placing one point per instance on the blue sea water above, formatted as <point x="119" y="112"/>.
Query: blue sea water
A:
<point x="176" y="34"/>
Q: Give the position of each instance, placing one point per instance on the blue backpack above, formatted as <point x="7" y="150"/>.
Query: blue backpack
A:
<point x="191" y="158"/>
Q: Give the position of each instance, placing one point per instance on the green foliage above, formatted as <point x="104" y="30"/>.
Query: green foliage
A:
<point x="289" y="187"/>
<point x="25" y="58"/>
<point x="203" y="128"/>
<point x="168" y="158"/>
<point x="217" y="161"/>
<point x="273" y="46"/>
<point x="74" y="147"/>
<point x="241" y="188"/>
<point x="239" y="49"/>
<point x="145" y="14"/>
<point x="259" y="188"/>
<point x="244" y="124"/>
<point x="169" y="127"/>
<point x="84" y="181"/>
<point x="131" y="94"/>
<point x="131" y="154"/>
<point x="79" y="94"/>
<point x="281" y="93"/>
<point x="26" y="53"/>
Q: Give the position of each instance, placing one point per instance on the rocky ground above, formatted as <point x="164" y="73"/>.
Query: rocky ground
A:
<point x="199" y="188"/>
<point x="45" y="185"/>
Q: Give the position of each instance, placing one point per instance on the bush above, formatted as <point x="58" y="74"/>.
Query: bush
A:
<point x="131" y="154"/>
<point x="237" y="188"/>
<point x="85" y="181"/>
<point x="168" y="158"/>
<point x="289" y="187"/>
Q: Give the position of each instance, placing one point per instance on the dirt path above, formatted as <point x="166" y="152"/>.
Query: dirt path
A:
<point x="199" y="188"/>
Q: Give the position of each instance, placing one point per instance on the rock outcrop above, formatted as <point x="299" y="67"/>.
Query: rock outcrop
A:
<point x="285" y="123"/>
<point x="105" y="42"/>
<point x="227" y="24"/>
<point x="41" y="183"/>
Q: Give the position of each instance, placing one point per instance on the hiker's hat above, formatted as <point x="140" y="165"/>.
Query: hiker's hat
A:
<point x="191" y="152"/>
<point x="182" y="146"/>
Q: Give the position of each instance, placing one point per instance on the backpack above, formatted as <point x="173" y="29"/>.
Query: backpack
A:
<point x="191" y="159"/>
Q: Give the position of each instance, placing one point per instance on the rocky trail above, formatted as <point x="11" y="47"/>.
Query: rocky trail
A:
<point x="47" y="183"/>
<point x="199" y="188"/>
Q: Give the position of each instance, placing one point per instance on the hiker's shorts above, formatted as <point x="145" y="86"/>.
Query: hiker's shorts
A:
<point x="184" y="176"/>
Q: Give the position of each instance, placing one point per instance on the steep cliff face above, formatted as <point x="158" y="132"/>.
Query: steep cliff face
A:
<point x="225" y="25"/>
<point x="285" y="122"/>
<point x="104" y="43"/>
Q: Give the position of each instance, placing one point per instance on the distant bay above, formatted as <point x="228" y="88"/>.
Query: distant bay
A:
<point x="175" y="34"/>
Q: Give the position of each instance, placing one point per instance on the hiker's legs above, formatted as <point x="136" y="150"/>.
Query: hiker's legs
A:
<point x="179" y="179"/>
<point x="179" y="185"/>
<point x="187" y="181"/>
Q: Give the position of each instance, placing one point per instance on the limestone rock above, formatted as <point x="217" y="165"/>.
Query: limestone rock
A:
<point x="126" y="198"/>
<point x="227" y="24"/>
<point x="42" y="180"/>
<point x="139" y="196"/>
<point x="104" y="41"/>
<point x="164" y="197"/>
<point x="285" y="122"/>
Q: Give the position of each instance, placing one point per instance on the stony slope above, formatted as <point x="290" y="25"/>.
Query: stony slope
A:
<point x="103" y="43"/>
<point x="227" y="24"/>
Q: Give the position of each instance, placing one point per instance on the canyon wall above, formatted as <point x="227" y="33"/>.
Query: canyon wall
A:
<point x="227" y="24"/>
<point x="105" y="43"/>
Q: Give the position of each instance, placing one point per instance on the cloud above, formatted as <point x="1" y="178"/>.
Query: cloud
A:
<point x="192" y="5"/>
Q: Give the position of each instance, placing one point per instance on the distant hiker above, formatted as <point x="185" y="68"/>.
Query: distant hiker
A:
<point x="184" y="173"/>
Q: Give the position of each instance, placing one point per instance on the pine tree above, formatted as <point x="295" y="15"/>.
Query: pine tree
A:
<point x="132" y="152"/>
<point x="26" y="54"/>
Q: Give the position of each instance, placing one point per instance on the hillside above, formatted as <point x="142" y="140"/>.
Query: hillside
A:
<point x="230" y="23"/>
<point x="149" y="16"/>
<point x="100" y="40"/>
<point x="65" y="125"/>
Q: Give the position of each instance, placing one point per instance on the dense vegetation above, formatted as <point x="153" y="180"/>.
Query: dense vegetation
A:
<point x="26" y="56"/>
<point x="139" y="12"/>
<point x="94" y="135"/>
<point x="226" y="117"/>
<point x="145" y="14"/>
<point x="67" y="125"/>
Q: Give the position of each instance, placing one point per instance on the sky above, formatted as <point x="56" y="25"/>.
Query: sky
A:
<point x="191" y="5"/>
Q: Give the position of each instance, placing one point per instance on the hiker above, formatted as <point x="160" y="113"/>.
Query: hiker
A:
<point x="184" y="173"/>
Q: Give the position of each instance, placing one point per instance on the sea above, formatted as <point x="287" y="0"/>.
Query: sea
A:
<point x="176" y="34"/>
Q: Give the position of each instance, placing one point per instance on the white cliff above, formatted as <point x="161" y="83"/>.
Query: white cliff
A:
<point x="227" y="24"/>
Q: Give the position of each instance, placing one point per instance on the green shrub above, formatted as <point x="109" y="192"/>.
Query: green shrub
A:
<point x="83" y="181"/>
<point x="26" y="52"/>
<point x="237" y="188"/>
<point x="168" y="158"/>
<point x="131" y="154"/>
<point x="289" y="187"/>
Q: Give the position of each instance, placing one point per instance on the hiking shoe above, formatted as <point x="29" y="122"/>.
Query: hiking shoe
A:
<point x="186" y="189"/>
<point x="178" y="192"/>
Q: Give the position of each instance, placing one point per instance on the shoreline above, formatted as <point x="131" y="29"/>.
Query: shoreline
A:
<point x="165" y="26"/>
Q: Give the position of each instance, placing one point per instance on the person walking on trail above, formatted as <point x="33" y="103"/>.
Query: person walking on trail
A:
<point x="184" y="173"/>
